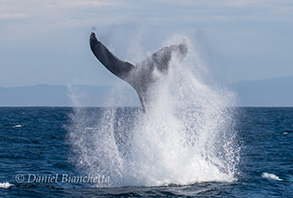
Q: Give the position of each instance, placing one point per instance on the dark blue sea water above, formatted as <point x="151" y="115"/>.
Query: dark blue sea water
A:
<point x="37" y="157"/>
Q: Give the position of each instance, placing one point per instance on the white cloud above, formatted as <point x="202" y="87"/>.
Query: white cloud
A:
<point x="235" y="26"/>
<point x="13" y="15"/>
<point x="85" y="3"/>
<point x="49" y="8"/>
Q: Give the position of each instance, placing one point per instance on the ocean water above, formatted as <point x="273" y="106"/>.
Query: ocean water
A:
<point x="41" y="157"/>
<point x="192" y="141"/>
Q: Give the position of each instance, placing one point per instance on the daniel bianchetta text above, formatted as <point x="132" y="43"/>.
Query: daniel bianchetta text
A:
<point x="63" y="178"/>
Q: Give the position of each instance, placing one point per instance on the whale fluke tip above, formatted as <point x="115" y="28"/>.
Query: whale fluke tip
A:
<point x="184" y="42"/>
<point x="93" y="39"/>
<point x="183" y="49"/>
<point x="93" y="35"/>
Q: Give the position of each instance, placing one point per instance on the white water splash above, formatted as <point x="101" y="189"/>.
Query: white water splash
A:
<point x="5" y="185"/>
<point x="186" y="137"/>
<point x="271" y="176"/>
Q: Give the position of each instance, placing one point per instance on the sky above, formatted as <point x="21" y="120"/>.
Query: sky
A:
<point x="46" y="42"/>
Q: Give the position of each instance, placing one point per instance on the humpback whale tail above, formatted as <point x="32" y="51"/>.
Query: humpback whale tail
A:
<point x="142" y="74"/>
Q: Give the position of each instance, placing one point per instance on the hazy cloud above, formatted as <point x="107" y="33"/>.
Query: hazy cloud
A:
<point x="13" y="15"/>
<point x="249" y="39"/>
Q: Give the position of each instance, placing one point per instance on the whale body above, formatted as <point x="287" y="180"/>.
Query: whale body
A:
<point x="143" y="74"/>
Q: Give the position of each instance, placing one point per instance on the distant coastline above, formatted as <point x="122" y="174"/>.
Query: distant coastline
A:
<point x="276" y="92"/>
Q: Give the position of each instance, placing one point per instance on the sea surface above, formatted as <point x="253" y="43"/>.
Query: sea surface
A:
<point x="38" y="156"/>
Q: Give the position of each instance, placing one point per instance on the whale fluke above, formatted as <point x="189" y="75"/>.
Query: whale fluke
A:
<point x="142" y="74"/>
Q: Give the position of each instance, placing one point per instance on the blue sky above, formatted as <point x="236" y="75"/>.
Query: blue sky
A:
<point x="46" y="42"/>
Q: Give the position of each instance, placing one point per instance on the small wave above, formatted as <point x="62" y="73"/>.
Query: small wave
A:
<point x="271" y="176"/>
<point x="5" y="185"/>
<point x="17" y="126"/>
<point x="287" y="132"/>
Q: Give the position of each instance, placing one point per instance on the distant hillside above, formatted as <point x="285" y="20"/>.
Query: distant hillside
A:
<point x="60" y="95"/>
<point x="269" y="92"/>
<point x="39" y="95"/>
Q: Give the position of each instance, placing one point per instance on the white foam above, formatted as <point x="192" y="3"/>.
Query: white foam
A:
<point x="187" y="135"/>
<point x="271" y="176"/>
<point x="17" y="126"/>
<point x="5" y="185"/>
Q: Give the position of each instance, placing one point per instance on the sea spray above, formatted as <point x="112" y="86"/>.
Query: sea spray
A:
<point x="94" y="144"/>
<point x="186" y="136"/>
